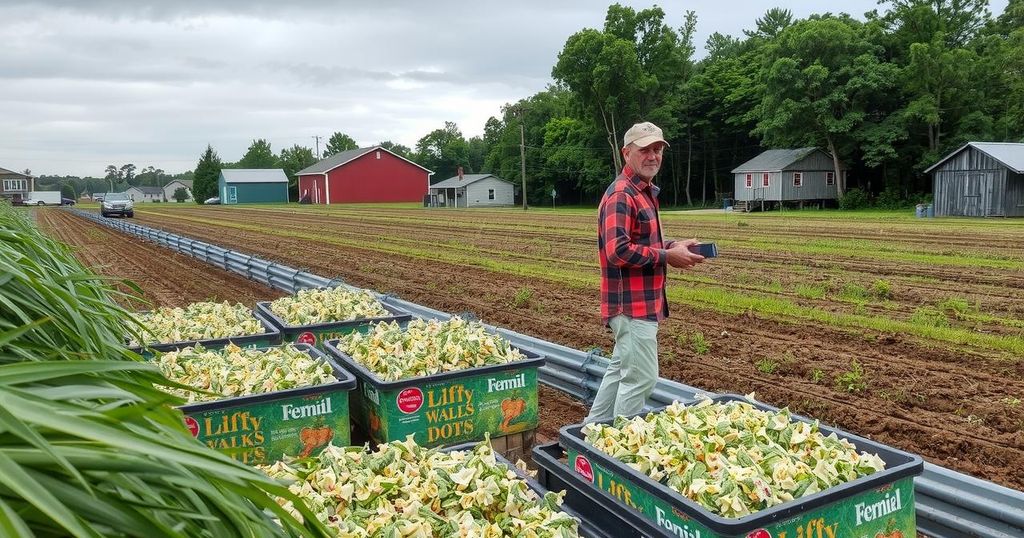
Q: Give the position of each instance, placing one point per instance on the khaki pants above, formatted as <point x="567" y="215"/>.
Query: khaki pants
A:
<point x="633" y="370"/>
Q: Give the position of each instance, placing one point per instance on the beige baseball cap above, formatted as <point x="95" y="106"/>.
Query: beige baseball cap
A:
<point x="643" y="134"/>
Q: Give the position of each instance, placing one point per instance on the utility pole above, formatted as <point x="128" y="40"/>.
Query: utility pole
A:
<point x="317" y="137"/>
<point x="522" y="156"/>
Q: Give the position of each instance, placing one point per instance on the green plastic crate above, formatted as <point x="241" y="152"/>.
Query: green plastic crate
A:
<point x="261" y="428"/>
<point x="445" y="408"/>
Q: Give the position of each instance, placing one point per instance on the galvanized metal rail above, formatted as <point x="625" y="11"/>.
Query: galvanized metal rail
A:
<point x="949" y="504"/>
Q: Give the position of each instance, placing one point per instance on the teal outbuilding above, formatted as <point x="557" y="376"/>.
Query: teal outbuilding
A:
<point x="252" y="186"/>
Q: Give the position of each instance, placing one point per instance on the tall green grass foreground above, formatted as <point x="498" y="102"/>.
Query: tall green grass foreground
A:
<point x="89" y="446"/>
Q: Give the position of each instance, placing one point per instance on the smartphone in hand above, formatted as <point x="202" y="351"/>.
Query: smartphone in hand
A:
<point x="708" y="250"/>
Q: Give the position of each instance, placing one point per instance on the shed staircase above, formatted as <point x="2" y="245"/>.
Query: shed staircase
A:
<point x="746" y="206"/>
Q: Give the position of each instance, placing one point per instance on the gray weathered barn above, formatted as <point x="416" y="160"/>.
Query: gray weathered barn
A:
<point x="784" y="175"/>
<point x="473" y="190"/>
<point x="981" y="179"/>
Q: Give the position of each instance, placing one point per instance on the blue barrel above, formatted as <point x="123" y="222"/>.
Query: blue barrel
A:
<point x="919" y="211"/>
<point x="726" y="202"/>
<point x="929" y="211"/>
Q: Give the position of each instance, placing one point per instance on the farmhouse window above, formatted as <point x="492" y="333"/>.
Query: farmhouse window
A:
<point x="830" y="178"/>
<point x="490" y="194"/>
<point x="798" y="179"/>
<point x="750" y="180"/>
<point x="14" y="184"/>
<point x="764" y="179"/>
<point x="378" y="155"/>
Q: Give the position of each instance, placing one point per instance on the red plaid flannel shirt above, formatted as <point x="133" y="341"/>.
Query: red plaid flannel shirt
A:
<point x="631" y="250"/>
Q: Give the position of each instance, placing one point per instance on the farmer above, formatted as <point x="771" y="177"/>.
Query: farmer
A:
<point x="634" y="257"/>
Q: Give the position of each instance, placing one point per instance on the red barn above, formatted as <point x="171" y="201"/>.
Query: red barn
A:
<point x="364" y="175"/>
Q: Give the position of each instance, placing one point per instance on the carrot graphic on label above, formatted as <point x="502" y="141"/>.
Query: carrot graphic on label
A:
<point x="313" y="438"/>
<point x="511" y="408"/>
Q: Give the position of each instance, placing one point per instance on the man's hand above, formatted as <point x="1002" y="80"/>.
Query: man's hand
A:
<point x="679" y="255"/>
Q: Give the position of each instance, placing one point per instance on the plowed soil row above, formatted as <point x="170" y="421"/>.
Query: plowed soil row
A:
<point x="958" y="408"/>
<point x="166" y="278"/>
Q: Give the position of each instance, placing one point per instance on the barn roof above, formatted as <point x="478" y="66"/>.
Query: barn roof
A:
<point x="343" y="158"/>
<point x="185" y="182"/>
<point x="775" y="160"/>
<point x="151" y="190"/>
<point x="1009" y="154"/>
<point x="254" y="175"/>
<point x="454" y="181"/>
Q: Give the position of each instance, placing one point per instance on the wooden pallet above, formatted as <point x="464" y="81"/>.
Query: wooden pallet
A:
<point x="516" y="446"/>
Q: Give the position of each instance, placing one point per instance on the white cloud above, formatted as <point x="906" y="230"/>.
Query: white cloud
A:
<point x="95" y="82"/>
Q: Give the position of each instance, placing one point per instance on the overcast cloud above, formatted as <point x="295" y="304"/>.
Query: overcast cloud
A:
<point x="86" y="83"/>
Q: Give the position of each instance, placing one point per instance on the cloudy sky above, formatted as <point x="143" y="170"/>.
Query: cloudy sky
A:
<point x="87" y="83"/>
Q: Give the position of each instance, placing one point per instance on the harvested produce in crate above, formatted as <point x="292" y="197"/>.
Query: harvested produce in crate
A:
<point x="309" y="307"/>
<point x="427" y="347"/>
<point x="403" y="489"/>
<point x="732" y="458"/>
<point x="199" y="321"/>
<point x="234" y="371"/>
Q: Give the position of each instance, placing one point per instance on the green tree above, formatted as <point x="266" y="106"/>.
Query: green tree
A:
<point x="259" y="155"/>
<point x="936" y="80"/>
<point x="293" y="160"/>
<point x="570" y="159"/>
<point x="397" y="149"/>
<point x="916" y="21"/>
<point x="443" y="151"/>
<point x="819" y="77"/>
<point x="477" y="154"/>
<point x="180" y="194"/>
<point x="68" y="191"/>
<point x="502" y="138"/>
<point x="339" y="142"/>
<point x="152" y="177"/>
<point x="769" y="26"/>
<point x="1011" y="20"/>
<point x="204" y="182"/>
<point x="604" y="73"/>
<point x="127" y="173"/>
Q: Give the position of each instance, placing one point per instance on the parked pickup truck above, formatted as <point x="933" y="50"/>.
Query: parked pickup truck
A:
<point x="42" y="198"/>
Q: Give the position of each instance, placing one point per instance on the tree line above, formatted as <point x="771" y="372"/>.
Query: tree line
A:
<point x="886" y="95"/>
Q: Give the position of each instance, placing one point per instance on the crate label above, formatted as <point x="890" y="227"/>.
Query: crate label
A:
<point x="317" y="337"/>
<point x="885" y="512"/>
<point x="584" y="469"/>
<point x="264" y="432"/>
<point x="453" y="411"/>
<point x="410" y="400"/>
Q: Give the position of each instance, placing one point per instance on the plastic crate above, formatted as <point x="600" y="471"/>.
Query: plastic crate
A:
<point x="260" y="428"/>
<point x="317" y="333"/>
<point x="271" y="336"/>
<point x="880" y="503"/>
<point x="446" y="408"/>
<point x="592" y="504"/>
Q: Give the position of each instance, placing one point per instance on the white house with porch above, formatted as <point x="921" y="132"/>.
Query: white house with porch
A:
<point x="473" y="190"/>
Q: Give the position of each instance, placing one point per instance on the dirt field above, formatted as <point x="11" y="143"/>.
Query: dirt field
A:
<point x="166" y="279"/>
<point x="789" y="311"/>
